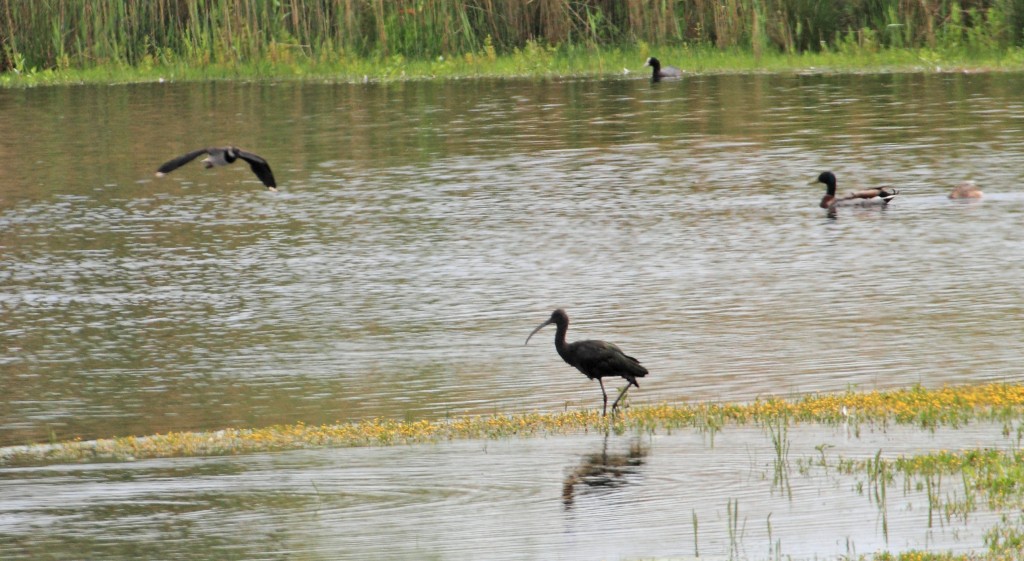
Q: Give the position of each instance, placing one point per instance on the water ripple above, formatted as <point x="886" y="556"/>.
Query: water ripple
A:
<point x="422" y="230"/>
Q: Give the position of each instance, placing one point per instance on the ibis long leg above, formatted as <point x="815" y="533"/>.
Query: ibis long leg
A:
<point x="604" y="409"/>
<point x="621" y="395"/>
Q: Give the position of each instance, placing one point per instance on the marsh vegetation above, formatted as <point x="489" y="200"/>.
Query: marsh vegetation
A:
<point x="75" y="40"/>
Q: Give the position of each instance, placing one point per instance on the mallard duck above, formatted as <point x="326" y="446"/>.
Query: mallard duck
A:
<point x="966" y="190"/>
<point x="866" y="197"/>
<point x="658" y="71"/>
<point x="222" y="157"/>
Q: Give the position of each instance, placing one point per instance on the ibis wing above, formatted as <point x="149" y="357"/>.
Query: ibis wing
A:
<point x="176" y="163"/>
<point x="598" y="359"/>
<point x="260" y="167"/>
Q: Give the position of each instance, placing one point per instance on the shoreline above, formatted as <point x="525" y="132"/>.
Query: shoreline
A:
<point x="538" y="63"/>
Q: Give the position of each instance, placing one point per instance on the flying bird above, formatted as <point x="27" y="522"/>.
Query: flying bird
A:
<point x="596" y="359"/>
<point x="222" y="157"/>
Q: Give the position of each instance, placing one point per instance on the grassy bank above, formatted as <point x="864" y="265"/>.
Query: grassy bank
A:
<point x="950" y="406"/>
<point x="532" y="62"/>
<point x="61" y="33"/>
<point x="99" y="41"/>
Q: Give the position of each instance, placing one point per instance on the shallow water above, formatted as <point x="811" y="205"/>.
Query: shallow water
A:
<point x="572" y="497"/>
<point x="423" y="229"/>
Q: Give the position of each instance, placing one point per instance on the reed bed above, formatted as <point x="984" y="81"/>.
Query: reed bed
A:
<point x="63" y="34"/>
<point x="948" y="406"/>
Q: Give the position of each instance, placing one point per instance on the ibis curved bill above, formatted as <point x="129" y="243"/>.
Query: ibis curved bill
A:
<point x="595" y="359"/>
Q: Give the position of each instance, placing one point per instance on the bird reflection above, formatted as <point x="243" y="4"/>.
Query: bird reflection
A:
<point x="603" y="471"/>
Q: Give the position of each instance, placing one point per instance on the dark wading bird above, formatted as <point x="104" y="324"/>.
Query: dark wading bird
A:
<point x="868" y="197"/>
<point x="596" y="359"/>
<point x="222" y="157"/>
<point x="658" y="71"/>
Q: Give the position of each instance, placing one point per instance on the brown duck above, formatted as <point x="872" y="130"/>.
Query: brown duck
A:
<point x="966" y="190"/>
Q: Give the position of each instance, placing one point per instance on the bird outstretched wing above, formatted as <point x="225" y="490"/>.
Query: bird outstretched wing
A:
<point x="176" y="163"/>
<point x="260" y="167"/>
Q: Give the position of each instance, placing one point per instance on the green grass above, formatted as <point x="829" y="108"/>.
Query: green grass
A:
<point x="100" y="41"/>
<point x="534" y="61"/>
<point x="954" y="482"/>
<point x="80" y="33"/>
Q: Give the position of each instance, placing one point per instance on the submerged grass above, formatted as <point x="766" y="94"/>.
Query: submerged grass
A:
<point x="915" y="555"/>
<point x="997" y="476"/>
<point x="929" y="408"/>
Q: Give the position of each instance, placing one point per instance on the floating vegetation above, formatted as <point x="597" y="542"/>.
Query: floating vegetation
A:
<point x="928" y="408"/>
<point x="953" y="482"/>
<point x="924" y="556"/>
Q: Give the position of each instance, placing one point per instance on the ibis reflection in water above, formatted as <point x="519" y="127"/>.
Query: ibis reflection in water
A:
<point x="603" y="471"/>
<point x="596" y="359"/>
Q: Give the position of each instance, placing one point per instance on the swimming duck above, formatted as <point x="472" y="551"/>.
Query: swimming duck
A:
<point x="658" y="71"/>
<point x="222" y="157"/>
<point x="966" y="190"/>
<point x="866" y="197"/>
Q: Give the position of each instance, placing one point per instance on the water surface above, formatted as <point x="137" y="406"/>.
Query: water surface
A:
<point x="575" y="497"/>
<point x="421" y="231"/>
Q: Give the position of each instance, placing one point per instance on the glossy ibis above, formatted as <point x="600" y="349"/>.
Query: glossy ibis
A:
<point x="866" y="197"/>
<point x="222" y="157"/>
<point x="596" y="359"/>
<point x="966" y="190"/>
<point x="658" y="71"/>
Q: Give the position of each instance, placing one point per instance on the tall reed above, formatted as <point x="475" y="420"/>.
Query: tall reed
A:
<point x="84" y="33"/>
